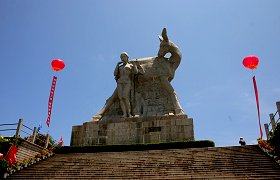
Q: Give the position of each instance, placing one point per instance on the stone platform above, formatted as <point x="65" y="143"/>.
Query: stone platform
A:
<point x="135" y="130"/>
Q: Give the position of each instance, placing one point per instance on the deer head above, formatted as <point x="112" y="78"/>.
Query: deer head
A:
<point x="165" y="44"/>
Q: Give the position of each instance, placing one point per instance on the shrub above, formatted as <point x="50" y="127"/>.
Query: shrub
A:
<point x="26" y="161"/>
<point x="4" y="145"/>
<point x="44" y="152"/>
<point x="3" y="166"/>
<point x="275" y="139"/>
<point x="38" y="155"/>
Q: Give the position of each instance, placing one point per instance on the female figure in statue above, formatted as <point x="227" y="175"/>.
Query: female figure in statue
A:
<point x="124" y="73"/>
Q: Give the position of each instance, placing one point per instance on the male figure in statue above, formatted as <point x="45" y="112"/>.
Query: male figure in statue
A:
<point x="124" y="72"/>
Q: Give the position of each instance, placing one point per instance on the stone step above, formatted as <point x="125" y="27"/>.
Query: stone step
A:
<point x="246" y="162"/>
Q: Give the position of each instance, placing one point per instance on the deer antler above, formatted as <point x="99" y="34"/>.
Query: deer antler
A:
<point x="164" y="34"/>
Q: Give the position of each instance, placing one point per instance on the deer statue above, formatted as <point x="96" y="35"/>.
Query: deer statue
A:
<point x="151" y="93"/>
<point x="167" y="46"/>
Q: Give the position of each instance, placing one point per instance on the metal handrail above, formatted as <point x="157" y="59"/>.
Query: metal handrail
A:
<point x="12" y="129"/>
<point x="274" y="117"/>
<point x="277" y="120"/>
<point x="27" y="127"/>
<point x="8" y="124"/>
<point x="8" y="129"/>
<point x="25" y="132"/>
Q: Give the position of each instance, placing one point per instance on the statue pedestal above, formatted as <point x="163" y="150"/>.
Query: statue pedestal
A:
<point x="135" y="130"/>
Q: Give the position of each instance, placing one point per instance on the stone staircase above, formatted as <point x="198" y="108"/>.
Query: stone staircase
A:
<point x="237" y="162"/>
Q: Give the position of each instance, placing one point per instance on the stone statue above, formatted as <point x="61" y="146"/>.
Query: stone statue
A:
<point x="143" y="85"/>
<point x="124" y="72"/>
<point x="144" y="107"/>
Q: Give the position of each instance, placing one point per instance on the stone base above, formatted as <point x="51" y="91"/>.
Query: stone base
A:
<point x="135" y="130"/>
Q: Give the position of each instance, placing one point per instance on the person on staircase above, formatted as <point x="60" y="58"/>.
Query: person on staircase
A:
<point x="242" y="141"/>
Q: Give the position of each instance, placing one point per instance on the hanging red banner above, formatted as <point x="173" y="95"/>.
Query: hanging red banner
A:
<point x="258" y="106"/>
<point x="51" y="101"/>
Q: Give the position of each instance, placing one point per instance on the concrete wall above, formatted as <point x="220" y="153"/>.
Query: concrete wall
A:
<point x="134" y="130"/>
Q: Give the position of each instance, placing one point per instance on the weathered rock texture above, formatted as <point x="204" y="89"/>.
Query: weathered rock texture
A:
<point x="134" y="130"/>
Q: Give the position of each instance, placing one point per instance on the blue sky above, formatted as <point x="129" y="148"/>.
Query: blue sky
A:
<point x="212" y="85"/>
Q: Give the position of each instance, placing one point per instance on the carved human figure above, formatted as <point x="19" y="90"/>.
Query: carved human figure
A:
<point x="124" y="73"/>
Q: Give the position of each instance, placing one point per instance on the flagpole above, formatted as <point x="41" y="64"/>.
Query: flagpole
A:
<point x="258" y="104"/>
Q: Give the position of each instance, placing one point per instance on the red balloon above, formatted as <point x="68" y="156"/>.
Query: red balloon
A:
<point x="1" y="155"/>
<point x="251" y="62"/>
<point x="57" y="64"/>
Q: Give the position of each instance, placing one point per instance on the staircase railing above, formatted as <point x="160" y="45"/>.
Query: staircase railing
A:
<point x="8" y="127"/>
<point x="273" y="122"/>
<point x="19" y="128"/>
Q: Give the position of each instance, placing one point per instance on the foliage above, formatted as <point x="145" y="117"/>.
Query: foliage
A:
<point x="275" y="139"/>
<point x="52" y="143"/>
<point x="135" y="147"/>
<point x="266" y="145"/>
<point x="6" y="142"/>
<point x="26" y="161"/>
<point x="14" y="140"/>
<point x="51" y="149"/>
<point x="38" y="155"/>
<point x="3" y="166"/>
<point x="4" y="145"/>
<point x="17" y="164"/>
<point x="44" y="152"/>
<point x="272" y="145"/>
